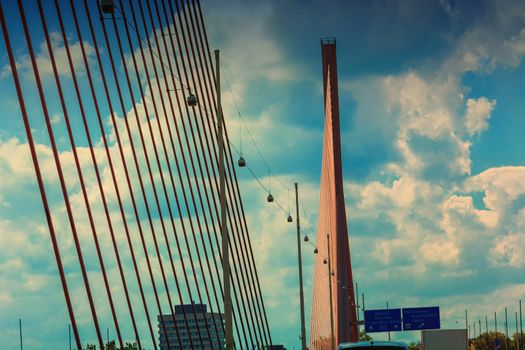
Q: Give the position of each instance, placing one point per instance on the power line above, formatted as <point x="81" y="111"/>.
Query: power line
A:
<point x="242" y="119"/>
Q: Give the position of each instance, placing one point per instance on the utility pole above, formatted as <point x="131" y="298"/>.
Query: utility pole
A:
<point x="506" y="330"/>
<point x="331" y="297"/>
<point x="20" y="327"/>
<point x="364" y="318"/>
<point x="486" y="325"/>
<point x="357" y="301"/>
<point x="521" y="324"/>
<point x="301" y="293"/>
<point x="518" y="340"/>
<point x="388" y="331"/>
<point x="224" y="233"/>
<point x="364" y="309"/>
<point x="479" y="321"/>
<point x="467" y="325"/>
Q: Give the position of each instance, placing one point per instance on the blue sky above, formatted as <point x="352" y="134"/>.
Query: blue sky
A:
<point x="433" y="154"/>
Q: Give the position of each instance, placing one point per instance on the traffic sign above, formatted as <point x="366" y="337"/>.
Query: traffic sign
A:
<point x="418" y="318"/>
<point x="386" y="320"/>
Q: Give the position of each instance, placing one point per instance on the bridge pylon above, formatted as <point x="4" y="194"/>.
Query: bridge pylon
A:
<point x="333" y="317"/>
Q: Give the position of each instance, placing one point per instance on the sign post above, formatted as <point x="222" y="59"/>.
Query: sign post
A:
<point x="419" y="318"/>
<point x="386" y="320"/>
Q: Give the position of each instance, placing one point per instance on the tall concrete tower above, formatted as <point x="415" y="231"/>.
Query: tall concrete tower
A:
<point x="333" y="318"/>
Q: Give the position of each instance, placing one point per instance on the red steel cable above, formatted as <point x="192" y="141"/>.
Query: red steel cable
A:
<point x="235" y="216"/>
<point x="141" y="182"/>
<point x="41" y="186"/>
<point x="183" y="123"/>
<point x="178" y="133"/>
<point x="60" y="174"/>
<point x="234" y="237"/>
<point x="112" y="170"/>
<point x="202" y="69"/>
<point x="135" y="209"/>
<point x="238" y="190"/>
<point x="74" y="150"/>
<point x="154" y="65"/>
<point x="95" y="163"/>
<point x="236" y="182"/>
<point x="198" y="219"/>
<point x="187" y="138"/>
<point x="202" y="176"/>
<point x="158" y="162"/>
<point x="171" y="177"/>
<point x="251" y="321"/>
<point x="188" y="176"/>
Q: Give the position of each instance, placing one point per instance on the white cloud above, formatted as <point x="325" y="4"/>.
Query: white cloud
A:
<point x="404" y="193"/>
<point x="421" y="104"/>
<point x="477" y="115"/>
<point x="439" y="250"/>
<point x="514" y="49"/>
<point x="248" y="24"/>
<point x="509" y="252"/>
<point x="55" y="119"/>
<point x="496" y="40"/>
<point x="43" y="60"/>
<point x="432" y="224"/>
<point x="501" y="185"/>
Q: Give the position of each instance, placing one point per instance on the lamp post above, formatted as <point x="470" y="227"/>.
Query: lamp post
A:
<point x="521" y="324"/>
<point x="228" y="330"/>
<point x="357" y="306"/>
<point x="518" y="340"/>
<point x="506" y="330"/>
<point x="364" y="309"/>
<point x="20" y="326"/>
<point x="388" y="331"/>
<point x="301" y="293"/>
<point x="466" y="324"/>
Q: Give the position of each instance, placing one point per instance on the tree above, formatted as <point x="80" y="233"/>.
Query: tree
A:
<point x="131" y="346"/>
<point x="414" y="346"/>
<point x="112" y="346"/>
<point x="487" y="341"/>
<point x="363" y="336"/>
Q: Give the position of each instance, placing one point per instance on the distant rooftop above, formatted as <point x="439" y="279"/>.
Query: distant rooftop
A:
<point x="188" y="308"/>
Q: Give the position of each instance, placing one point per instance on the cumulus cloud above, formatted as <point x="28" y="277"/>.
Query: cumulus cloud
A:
<point x="43" y="60"/>
<point x="439" y="250"/>
<point x="477" y="114"/>
<point x="495" y="40"/>
<point x="265" y="60"/>
<point x="436" y="225"/>
<point x="509" y="252"/>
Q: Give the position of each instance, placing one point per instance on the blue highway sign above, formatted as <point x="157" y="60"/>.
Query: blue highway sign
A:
<point x="383" y="320"/>
<point x="418" y="318"/>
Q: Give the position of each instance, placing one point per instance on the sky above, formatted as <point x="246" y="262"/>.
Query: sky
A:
<point x="432" y="120"/>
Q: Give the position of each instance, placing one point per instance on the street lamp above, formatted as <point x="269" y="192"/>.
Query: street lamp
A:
<point x="301" y="293"/>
